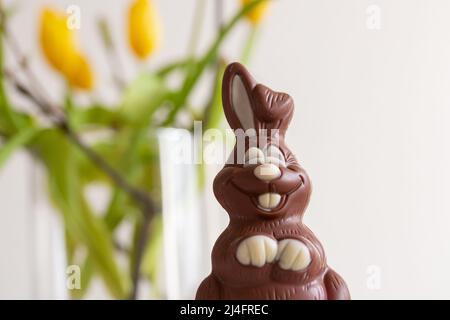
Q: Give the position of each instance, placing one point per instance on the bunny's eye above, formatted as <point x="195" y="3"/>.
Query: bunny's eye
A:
<point x="276" y="161"/>
<point x="253" y="152"/>
<point x="253" y="156"/>
<point x="275" y="156"/>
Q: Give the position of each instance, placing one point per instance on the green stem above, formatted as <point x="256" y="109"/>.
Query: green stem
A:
<point x="20" y="139"/>
<point x="68" y="100"/>
<point x="197" y="70"/>
<point x="252" y="37"/>
<point x="197" y="23"/>
<point x="213" y="111"/>
<point x="111" y="52"/>
<point x="167" y="69"/>
<point x="5" y="107"/>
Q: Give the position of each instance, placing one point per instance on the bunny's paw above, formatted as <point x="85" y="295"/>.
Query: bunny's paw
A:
<point x="257" y="251"/>
<point x="293" y="255"/>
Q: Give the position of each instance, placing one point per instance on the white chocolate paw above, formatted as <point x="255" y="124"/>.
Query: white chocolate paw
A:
<point x="293" y="255"/>
<point x="257" y="251"/>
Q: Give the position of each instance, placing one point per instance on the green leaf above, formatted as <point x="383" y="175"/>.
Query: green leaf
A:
<point x="20" y="139"/>
<point x="153" y="252"/>
<point x="61" y="159"/>
<point x="252" y="37"/>
<point x="8" y="121"/>
<point x="128" y="162"/>
<point x="68" y="100"/>
<point x="115" y="212"/>
<point x="214" y="112"/>
<point x="95" y="116"/>
<point x="143" y="97"/>
<point x="174" y="66"/>
<point x="212" y="117"/>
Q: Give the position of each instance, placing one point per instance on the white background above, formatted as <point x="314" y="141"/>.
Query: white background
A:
<point x="371" y="127"/>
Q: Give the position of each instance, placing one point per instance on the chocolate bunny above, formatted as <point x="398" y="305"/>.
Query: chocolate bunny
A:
<point x="266" y="252"/>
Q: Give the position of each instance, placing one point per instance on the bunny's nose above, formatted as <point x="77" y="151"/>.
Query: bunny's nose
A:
<point x="267" y="172"/>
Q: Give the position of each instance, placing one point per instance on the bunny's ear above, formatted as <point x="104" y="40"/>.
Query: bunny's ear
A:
<point x="237" y="86"/>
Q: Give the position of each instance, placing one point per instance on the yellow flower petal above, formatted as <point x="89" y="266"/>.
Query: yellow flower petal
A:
<point x="60" y="48"/>
<point x="256" y="15"/>
<point x="56" y="39"/>
<point x="80" y="75"/>
<point x="144" y="28"/>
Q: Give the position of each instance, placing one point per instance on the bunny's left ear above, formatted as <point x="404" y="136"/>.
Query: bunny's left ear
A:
<point x="237" y="101"/>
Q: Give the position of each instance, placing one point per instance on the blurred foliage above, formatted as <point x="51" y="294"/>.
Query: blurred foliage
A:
<point x="128" y="144"/>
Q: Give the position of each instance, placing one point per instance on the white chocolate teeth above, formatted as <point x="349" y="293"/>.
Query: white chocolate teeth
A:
<point x="269" y="200"/>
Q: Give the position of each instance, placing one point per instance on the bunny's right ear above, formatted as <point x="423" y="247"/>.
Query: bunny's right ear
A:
<point x="237" y="86"/>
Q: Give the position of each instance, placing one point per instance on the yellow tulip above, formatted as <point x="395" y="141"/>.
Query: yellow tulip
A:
<point x="81" y="75"/>
<point x="144" y="28"/>
<point x="256" y="14"/>
<point x="60" y="48"/>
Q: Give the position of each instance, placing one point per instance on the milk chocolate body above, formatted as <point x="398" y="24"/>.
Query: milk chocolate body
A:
<point x="266" y="252"/>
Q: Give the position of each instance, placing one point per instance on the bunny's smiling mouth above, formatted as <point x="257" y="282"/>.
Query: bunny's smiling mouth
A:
<point x="269" y="203"/>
